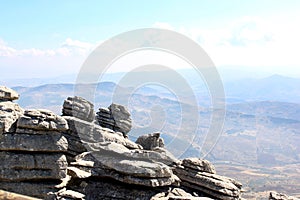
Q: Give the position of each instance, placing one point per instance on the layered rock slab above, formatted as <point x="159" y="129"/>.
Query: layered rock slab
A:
<point x="7" y="94"/>
<point x="200" y="175"/>
<point x="9" y="113"/>
<point x="79" y="107"/>
<point x="112" y="161"/>
<point x="115" y="117"/>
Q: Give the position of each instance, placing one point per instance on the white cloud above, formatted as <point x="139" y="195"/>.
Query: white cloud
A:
<point x="6" y="50"/>
<point x="265" y="44"/>
<point x="69" y="48"/>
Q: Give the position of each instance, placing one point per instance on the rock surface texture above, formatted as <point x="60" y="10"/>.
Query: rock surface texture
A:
<point x="74" y="156"/>
<point x="7" y="94"/>
<point x="115" y="117"/>
<point x="151" y="141"/>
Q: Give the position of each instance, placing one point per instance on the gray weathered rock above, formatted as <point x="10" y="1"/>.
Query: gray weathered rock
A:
<point x="115" y="117"/>
<point x="7" y="94"/>
<point x="199" y="165"/>
<point x="9" y="113"/>
<point x="41" y="120"/>
<point x="161" y="155"/>
<point x="10" y="174"/>
<point x="177" y="194"/>
<point x="82" y="133"/>
<point x="217" y="186"/>
<point x="150" y="141"/>
<point x="280" y="196"/>
<point x="20" y="167"/>
<point x="79" y="107"/>
<point x="14" y="160"/>
<point x="111" y="161"/>
<point x="33" y="143"/>
<point x="34" y="188"/>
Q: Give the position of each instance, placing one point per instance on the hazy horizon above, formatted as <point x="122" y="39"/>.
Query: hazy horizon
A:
<point x="49" y="39"/>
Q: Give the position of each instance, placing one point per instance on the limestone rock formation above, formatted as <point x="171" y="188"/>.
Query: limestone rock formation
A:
<point x="9" y="113"/>
<point x="115" y="117"/>
<point x="73" y="157"/>
<point x="201" y="177"/>
<point x="111" y="163"/>
<point x="7" y="94"/>
<point x="198" y="165"/>
<point x="82" y="135"/>
<point x="33" y="121"/>
<point x="280" y="196"/>
<point x="79" y="107"/>
<point x="33" y="148"/>
<point x="151" y="141"/>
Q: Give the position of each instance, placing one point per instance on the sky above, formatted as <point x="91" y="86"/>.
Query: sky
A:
<point x="43" y="38"/>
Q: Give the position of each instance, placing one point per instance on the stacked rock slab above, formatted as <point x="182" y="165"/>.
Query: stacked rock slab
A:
<point x="83" y="131"/>
<point x="199" y="175"/>
<point x="34" y="154"/>
<point x="115" y="117"/>
<point x="115" y="161"/>
<point x="9" y="111"/>
<point x="80" y="108"/>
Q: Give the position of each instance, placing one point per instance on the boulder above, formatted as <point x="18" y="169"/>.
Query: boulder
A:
<point x="150" y="141"/>
<point x="214" y="185"/>
<point x="9" y="113"/>
<point x="199" y="165"/>
<point x="7" y="94"/>
<point x="79" y="107"/>
<point x="280" y="196"/>
<point x="115" y="117"/>
<point x="41" y="120"/>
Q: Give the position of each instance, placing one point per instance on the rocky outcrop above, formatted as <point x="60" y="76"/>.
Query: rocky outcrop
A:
<point x="37" y="121"/>
<point x="200" y="175"/>
<point x="9" y="111"/>
<point x="115" y="117"/>
<point x="75" y="157"/>
<point x="33" y="148"/>
<point x="151" y="141"/>
<point x="79" y="108"/>
<point x="116" y="166"/>
<point x="280" y="196"/>
<point x="7" y="94"/>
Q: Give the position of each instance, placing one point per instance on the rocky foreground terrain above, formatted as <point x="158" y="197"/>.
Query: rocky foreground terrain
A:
<point x="87" y="155"/>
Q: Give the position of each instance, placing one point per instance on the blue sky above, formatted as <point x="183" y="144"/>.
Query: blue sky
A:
<point x="48" y="38"/>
